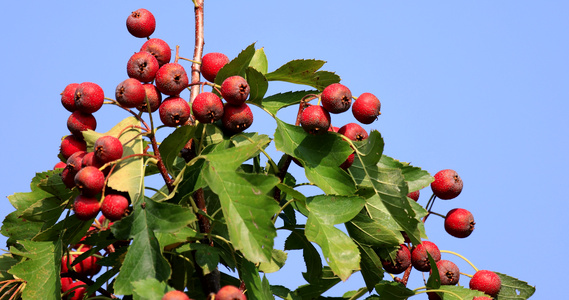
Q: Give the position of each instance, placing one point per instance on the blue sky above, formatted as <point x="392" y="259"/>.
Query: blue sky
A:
<point x="476" y="86"/>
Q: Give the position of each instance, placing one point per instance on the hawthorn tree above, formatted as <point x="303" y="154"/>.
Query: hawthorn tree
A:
<point x="93" y="228"/>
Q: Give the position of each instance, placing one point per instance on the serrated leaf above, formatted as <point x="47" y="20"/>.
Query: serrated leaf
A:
<point x="453" y="292"/>
<point x="415" y="177"/>
<point x="372" y="232"/>
<point x="40" y="269"/>
<point x="318" y="287"/>
<point x="150" y="289"/>
<point x="258" y="85"/>
<point x="297" y="240"/>
<point x="173" y="143"/>
<point x="257" y="288"/>
<point x="237" y="66"/>
<point x="259" y="61"/>
<point x="304" y="71"/>
<point x="372" y="270"/>
<point x="434" y="281"/>
<point x="321" y="156"/>
<point x="513" y="288"/>
<point x="278" y="260"/>
<point x="277" y="101"/>
<point x="389" y="290"/>
<point x="284" y="293"/>
<point x="207" y="258"/>
<point x="6" y="262"/>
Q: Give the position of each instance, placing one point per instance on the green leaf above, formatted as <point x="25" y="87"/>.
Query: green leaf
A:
<point x="245" y="201"/>
<point x="434" y="281"/>
<point x="415" y="177"/>
<point x="237" y="66"/>
<point x="144" y="258"/>
<point x="275" y="102"/>
<point x="453" y="292"/>
<point x="389" y="290"/>
<point x="340" y="251"/>
<point x="172" y="144"/>
<point x="40" y="269"/>
<point x="297" y="240"/>
<point x="257" y="288"/>
<point x="259" y="61"/>
<point x="372" y="270"/>
<point x="277" y="262"/>
<point x="386" y="188"/>
<point x="513" y="288"/>
<point x="150" y="289"/>
<point x="304" y="71"/>
<point x="6" y="262"/>
<point x="321" y="156"/>
<point x="258" y="85"/>
<point x="318" y="287"/>
<point x="372" y="232"/>
<point x="284" y="293"/>
<point x="207" y="258"/>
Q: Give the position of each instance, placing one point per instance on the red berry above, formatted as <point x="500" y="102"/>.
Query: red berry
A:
<point x="60" y="165"/>
<point x="114" y="206"/>
<point x="68" y="97"/>
<point x="237" y="118"/>
<point x="487" y="282"/>
<point x="175" y="295"/>
<point x="159" y="49"/>
<point x="348" y="162"/>
<point x="108" y="148"/>
<point x="414" y="195"/>
<point x="90" y="181"/>
<point x="211" y="64"/>
<point x="89" y="97"/>
<point x="86" y="267"/>
<point x="315" y="119"/>
<point x="71" y="144"/>
<point x="174" y="111"/>
<point x="76" y="294"/>
<point x="336" y="98"/>
<point x="401" y="263"/>
<point x="207" y="107"/>
<point x="447" y="184"/>
<point x="80" y="121"/>
<point x="130" y="93"/>
<point x="230" y="292"/>
<point x="171" y="79"/>
<point x="86" y="208"/>
<point x="459" y="222"/>
<point x="419" y="258"/>
<point x="366" y="108"/>
<point x="141" y="23"/>
<point x="153" y="96"/>
<point x="235" y="90"/>
<point x="482" y="298"/>
<point x="75" y="161"/>
<point x="142" y="66"/>
<point x="448" y="271"/>
<point x="353" y="131"/>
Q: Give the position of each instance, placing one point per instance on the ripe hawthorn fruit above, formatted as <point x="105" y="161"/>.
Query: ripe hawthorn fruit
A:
<point x="68" y="97"/>
<point x="447" y="184"/>
<point x="68" y="178"/>
<point x="486" y="281"/>
<point x="75" y="161"/>
<point x="401" y="263"/>
<point x="79" y="121"/>
<point x="76" y="294"/>
<point x="141" y="23"/>
<point x="237" y="118"/>
<point x="89" y="97"/>
<point x="207" y="107"/>
<point x="315" y="119"/>
<point x="86" y="267"/>
<point x="419" y="258"/>
<point x="114" y="206"/>
<point x="448" y="271"/>
<point x="153" y="96"/>
<point x="108" y="148"/>
<point x="211" y="64"/>
<point x="459" y="222"/>
<point x="230" y="292"/>
<point x="171" y="79"/>
<point x="366" y="108"/>
<point x="71" y="144"/>
<point x="348" y="162"/>
<point x="235" y="90"/>
<point x="59" y="165"/>
<point x="85" y="207"/>
<point x="90" y="181"/>
<point x="354" y="132"/>
<point x="159" y="49"/>
<point x="130" y="93"/>
<point x="175" y="295"/>
<point x="414" y="195"/>
<point x="142" y="66"/>
<point x="174" y="111"/>
<point x="336" y="98"/>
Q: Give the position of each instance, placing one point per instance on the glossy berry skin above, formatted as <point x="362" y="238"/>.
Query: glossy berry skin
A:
<point x="75" y="161"/>
<point x="174" y="111"/>
<point x="354" y="132"/>
<point x="142" y="66"/>
<point x="108" y="148"/>
<point x="401" y="263"/>
<point x="86" y="208"/>
<point x="175" y="295"/>
<point x="448" y="271"/>
<point x="159" y="49"/>
<point x="235" y="90"/>
<point x="89" y="97"/>
<point x="230" y="292"/>
<point x="486" y="281"/>
<point x="71" y="144"/>
<point x="171" y="79"/>
<point x="419" y="258"/>
<point x="76" y="294"/>
<point x="80" y="121"/>
<point x="237" y="118"/>
<point x="366" y="108"/>
<point x="336" y="98"/>
<point x="207" y="107"/>
<point x="447" y="184"/>
<point x="114" y="206"/>
<point x="59" y="165"/>
<point x="86" y="267"/>
<point x="130" y="93"/>
<point x="414" y="195"/>
<point x="315" y="119"/>
<point x="68" y="97"/>
<point x="90" y="181"/>
<point x="211" y="64"/>
<point x="141" y="23"/>
<point x="153" y="96"/>
<point x="459" y="222"/>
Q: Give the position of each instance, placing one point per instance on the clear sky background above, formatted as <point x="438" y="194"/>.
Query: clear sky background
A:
<point x="476" y="86"/>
